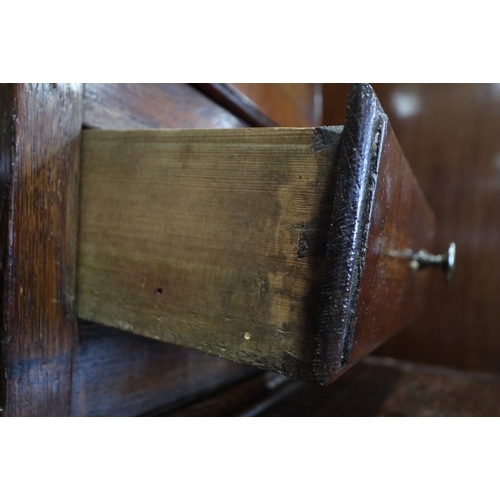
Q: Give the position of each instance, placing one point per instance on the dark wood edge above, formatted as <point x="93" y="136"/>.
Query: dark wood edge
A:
<point x="40" y="128"/>
<point x="360" y="149"/>
<point x="246" y="398"/>
<point x="236" y="102"/>
<point x="6" y="146"/>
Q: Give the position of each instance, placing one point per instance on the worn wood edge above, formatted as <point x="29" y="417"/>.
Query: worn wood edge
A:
<point x="363" y="134"/>
<point x="235" y="102"/>
<point x="26" y="378"/>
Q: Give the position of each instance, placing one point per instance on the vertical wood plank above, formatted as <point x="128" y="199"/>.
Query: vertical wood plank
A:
<point x="40" y="128"/>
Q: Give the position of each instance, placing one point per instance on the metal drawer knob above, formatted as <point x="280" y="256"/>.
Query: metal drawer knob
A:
<point x="445" y="261"/>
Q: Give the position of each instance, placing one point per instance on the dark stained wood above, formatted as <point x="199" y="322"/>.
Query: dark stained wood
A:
<point x="40" y="134"/>
<point x="335" y="102"/>
<point x="236" y="102"/>
<point x="126" y="106"/>
<point x="270" y="104"/>
<point x="380" y="217"/>
<point x="392" y="295"/>
<point x="120" y="374"/>
<point x="449" y="133"/>
<point x="287" y="104"/>
<point x="385" y="387"/>
<point x="248" y="397"/>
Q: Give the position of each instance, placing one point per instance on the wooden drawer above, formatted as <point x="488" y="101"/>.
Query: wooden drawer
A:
<point x="287" y="249"/>
<point x="347" y="232"/>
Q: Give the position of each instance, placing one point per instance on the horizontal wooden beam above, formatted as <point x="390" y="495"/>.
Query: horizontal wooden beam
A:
<point x="212" y="240"/>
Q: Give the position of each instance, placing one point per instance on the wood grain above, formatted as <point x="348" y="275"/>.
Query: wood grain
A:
<point x="40" y="126"/>
<point x="287" y="104"/>
<point x="126" y="106"/>
<point x="116" y="375"/>
<point x="449" y="133"/>
<point x="208" y="239"/>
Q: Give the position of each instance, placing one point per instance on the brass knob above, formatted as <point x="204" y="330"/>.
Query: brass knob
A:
<point x="445" y="261"/>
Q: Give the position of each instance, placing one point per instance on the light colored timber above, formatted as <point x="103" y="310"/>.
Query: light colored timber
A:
<point x="211" y="239"/>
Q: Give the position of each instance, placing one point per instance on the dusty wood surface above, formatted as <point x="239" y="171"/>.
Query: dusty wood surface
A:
<point x="211" y="240"/>
<point x="40" y="126"/>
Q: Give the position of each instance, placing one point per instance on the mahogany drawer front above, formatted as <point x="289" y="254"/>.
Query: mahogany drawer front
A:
<point x="286" y="249"/>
